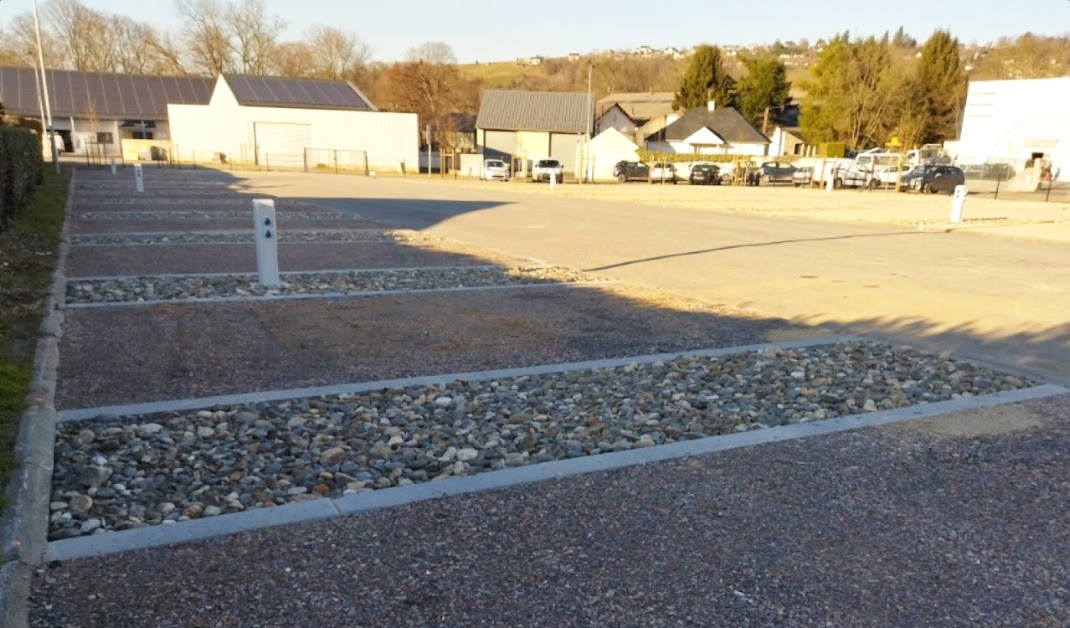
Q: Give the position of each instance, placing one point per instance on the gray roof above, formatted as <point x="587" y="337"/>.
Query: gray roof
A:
<point x="103" y="95"/>
<point x="273" y="91"/>
<point x="503" y="110"/>
<point x="726" y="122"/>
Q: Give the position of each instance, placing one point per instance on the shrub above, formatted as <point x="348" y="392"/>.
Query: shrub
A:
<point x="20" y="171"/>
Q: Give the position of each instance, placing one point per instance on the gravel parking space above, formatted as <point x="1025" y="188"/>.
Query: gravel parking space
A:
<point x="246" y="236"/>
<point x="350" y="282"/>
<point x="894" y="526"/>
<point x="169" y="351"/>
<point x="110" y="261"/>
<point x="147" y="470"/>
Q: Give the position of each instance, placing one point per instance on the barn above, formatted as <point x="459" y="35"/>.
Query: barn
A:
<point x="523" y="126"/>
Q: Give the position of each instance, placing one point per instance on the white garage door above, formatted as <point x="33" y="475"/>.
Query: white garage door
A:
<point x="281" y="144"/>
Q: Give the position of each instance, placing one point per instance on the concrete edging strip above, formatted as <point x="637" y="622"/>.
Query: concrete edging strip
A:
<point x="180" y="405"/>
<point x="202" y="529"/>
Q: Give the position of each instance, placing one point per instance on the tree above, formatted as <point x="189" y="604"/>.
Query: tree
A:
<point x="854" y="94"/>
<point x="902" y="40"/>
<point x="253" y="36"/>
<point x="86" y="34"/>
<point x="942" y="85"/>
<point x="705" y="79"/>
<point x="205" y="36"/>
<point x="336" y="55"/>
<point x="764" y="86"/>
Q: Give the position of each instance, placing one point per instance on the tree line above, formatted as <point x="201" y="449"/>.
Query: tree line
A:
<point x="861" y="91"/>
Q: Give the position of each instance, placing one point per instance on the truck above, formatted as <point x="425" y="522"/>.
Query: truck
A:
<point x="868" y="168"/>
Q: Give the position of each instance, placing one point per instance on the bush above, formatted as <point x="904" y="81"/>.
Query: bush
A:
<point x="20" y="171"/>
<point x="650" y="157"/>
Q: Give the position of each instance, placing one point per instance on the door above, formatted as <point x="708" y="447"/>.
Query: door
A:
<point x="563" y="148"/>
<point x="281" y="144"/>
<point x="499" y="145"/>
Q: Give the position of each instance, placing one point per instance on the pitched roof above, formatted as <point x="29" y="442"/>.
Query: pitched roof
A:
<point x="100" y="94"/>
<point x="559" y="112"/>
<point x="641" y="107"/>
<point x="726" y="122"/>
<point x="274" y="91"/>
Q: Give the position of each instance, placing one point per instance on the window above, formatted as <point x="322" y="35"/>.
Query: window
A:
<point x="141" y="135"/>
<point x="105" y="138"/>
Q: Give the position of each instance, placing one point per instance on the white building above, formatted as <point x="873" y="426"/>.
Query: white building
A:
<point x="605" y="150"/>
<point x="294" y="123"/>
<point x="1017" y="122"/>
<point x="710" y="130"/>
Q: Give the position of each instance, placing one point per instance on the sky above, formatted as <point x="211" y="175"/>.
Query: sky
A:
<point x="505" y="30"/>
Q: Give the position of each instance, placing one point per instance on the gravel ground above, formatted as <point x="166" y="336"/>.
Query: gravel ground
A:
<point x="171" y="288"/>
<point x="286" y="223"/>
<point x="167" y="351"/>
<point x="111" y="261"/>
<point x="893" y="526"/>
<point x="145" y="470"/>
<point x="246" y="236"/>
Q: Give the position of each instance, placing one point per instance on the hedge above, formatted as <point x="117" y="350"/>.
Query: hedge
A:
<point x="20" y="171"/>
<point x="650" y="157"/>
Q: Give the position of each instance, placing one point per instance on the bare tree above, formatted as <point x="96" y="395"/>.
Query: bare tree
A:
<point x="85" y="33"/>
<point x="293" y="59"/>
<point x="20" y="44"/>
<point x="206" y="36"/>
<point x="336" y="54"/>
<point x="254" y="35"/>
<point x="432" y="52"/>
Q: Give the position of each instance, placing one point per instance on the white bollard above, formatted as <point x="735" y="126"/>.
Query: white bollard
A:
<point x="114" y="170"/>
<point x="139" y="179"/>
<point x="958" y="203"/>
<point x="267" y="238"/>
<point x="553" y="180"/>
<point x="830" y="183"/>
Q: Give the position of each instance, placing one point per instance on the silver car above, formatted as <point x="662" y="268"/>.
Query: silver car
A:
<point x="495" y="169"/>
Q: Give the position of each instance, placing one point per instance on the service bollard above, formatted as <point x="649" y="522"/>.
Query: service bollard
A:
<point x="958" y="203"/>
<point x="267" y="238"/>
<point x="139" y="179"/>
<point x="114" y="170"/>
<point x="553" y="180"/>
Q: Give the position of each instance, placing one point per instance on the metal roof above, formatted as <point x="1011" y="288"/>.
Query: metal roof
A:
<point x="726" y="122"/>
<point x="503" y="110"/>
<point x="102" y="95"/>
<point x="272" y="91"/>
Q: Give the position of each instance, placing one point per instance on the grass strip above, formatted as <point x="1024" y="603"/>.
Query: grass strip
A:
<point x="27" y="261"/>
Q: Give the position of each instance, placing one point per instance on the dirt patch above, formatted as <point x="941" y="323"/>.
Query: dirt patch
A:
<point x="996" y="421"/>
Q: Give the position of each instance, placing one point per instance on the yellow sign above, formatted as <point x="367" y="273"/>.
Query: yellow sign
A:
<point x="894" y="142"/>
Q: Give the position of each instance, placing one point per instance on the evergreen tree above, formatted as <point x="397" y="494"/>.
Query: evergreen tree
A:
<point x="942" y="84"/>
<point x="764" y="86"/>
<point x="706" y="78"/>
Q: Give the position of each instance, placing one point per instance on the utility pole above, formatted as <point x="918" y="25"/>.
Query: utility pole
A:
<point x="44" y="88"/>
<point x="590" y="124"/>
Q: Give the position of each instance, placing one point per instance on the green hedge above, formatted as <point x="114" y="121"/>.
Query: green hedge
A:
<point x="650" y="157"/>
<point x="20" y="171"/>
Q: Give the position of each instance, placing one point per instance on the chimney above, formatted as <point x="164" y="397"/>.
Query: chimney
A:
<point x="711" y="105"/>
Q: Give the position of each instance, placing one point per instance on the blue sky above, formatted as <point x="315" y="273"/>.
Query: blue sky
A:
<point x="489" y="30"/>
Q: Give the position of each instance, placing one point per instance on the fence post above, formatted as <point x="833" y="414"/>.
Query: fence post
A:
<point x="335" y="161"/>
<point x="999" y="178"/>
<point x="1051" y="182"/>
<point x="366" y="171"/>
<point x="304" y="155"/>
<point x="267" y="162"/>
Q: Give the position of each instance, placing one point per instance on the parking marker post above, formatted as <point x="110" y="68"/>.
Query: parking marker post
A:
<point x="958" y="203"/>
<point x="267" y="238"/>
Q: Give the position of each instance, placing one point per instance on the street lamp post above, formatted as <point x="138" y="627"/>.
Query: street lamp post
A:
<point x="44" y="88"/>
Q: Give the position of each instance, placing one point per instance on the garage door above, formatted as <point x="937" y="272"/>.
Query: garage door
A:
<point x="281" y="144"/>
<point x="499" y="144"/>
<point x="563" y="149"/>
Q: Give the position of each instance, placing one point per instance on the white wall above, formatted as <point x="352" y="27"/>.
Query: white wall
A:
<point x="224" y="126"/>
<point x="1010" y="120"/>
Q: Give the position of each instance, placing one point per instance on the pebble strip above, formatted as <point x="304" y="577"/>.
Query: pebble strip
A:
<point x="193" y="214"/>
<point x="158" y="469"/>
<point x="246" y="237"/>
<point x="184" y="287"/>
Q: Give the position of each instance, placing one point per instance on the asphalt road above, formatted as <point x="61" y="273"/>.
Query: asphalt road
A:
<point x="1003" y="301"/>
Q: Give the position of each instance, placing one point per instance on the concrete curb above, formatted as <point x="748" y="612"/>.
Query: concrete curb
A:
<point x="284" y="273"/>
<point x="203" y="529"/>
<point x="24" y="526"/>
<point x="180" y="405"/>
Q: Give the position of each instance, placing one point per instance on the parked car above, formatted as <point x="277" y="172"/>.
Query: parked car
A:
<point x="663" y="173"/>
<point x="631" y="171"/>
<point x="495" y="169"/>
<point x="934" y="179"/>
<point x="544" y="169"/>
<point x="775" y="172"/>
<point x="745" y="172"/>
<point x="704" y="174"/>
<point x="802" y="176"/>
<point x="685" y="170"/>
